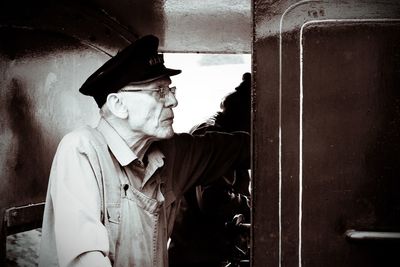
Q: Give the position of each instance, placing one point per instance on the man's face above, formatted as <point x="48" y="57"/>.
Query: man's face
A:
<point x="149" y="113"/>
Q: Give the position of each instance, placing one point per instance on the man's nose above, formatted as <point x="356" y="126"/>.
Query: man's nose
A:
<point x="170" y="100"/>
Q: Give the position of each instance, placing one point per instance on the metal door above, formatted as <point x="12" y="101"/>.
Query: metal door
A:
<point x="327" y="139"/>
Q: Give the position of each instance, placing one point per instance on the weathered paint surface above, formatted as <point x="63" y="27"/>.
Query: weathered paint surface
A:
<point x="40" y="75"/>
<point x="326" y="131"/>
<point x="187" y="26"/>
<point x="351" y="142"/>
<point x="79" y="20"/>
<point x="208" y="26"/>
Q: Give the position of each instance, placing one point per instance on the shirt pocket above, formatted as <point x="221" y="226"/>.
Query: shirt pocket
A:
<point x="114" y="213"/>
<point x="113" y="227"/>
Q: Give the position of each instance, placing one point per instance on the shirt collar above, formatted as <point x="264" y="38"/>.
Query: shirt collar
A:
<point x="117" y="145"/>
<point x="156" y="160"/>
<point x="122" y="151"/>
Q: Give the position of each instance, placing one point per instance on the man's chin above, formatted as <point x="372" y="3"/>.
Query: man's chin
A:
<point x="166" y="133"/>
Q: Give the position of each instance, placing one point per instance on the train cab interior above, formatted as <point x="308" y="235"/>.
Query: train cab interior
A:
<point x="325" y="111"/>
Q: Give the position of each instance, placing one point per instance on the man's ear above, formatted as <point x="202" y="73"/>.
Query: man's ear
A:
<point x="117" y="106"/>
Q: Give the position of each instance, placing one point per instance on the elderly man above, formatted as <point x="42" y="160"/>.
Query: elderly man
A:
<point x="114" y="190"/>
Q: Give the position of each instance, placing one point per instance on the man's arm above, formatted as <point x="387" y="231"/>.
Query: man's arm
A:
<point x="202" y="159"/>
<point x="81" y="239"/>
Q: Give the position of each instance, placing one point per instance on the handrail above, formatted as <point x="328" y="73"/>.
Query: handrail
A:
<point x="371" y="235"/>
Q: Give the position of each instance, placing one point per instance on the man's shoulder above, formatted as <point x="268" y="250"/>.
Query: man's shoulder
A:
<point x="84" y="132"/>
<point x="83" y="136"/>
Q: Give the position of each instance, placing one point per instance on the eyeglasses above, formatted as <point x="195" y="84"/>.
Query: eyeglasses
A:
<point x="162" y="91"/>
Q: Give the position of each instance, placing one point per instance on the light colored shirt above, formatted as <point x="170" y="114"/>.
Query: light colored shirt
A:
<point x="105" y="208"/>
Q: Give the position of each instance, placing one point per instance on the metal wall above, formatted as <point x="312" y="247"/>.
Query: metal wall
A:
<point x="40" y="75"/>
<point x="326" y="133"/>
<point x="206" y="26"/>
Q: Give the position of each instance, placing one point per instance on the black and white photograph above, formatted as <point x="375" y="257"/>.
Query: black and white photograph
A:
<point x="200" y="133"/>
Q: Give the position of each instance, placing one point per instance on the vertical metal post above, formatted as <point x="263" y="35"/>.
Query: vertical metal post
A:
<point x="3" y="239"/>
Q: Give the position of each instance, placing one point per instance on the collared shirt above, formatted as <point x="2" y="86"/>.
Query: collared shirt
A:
<point x="74" y="233"/>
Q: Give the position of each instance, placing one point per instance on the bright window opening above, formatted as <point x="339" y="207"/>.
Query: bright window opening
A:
<point x="203" y="83"/>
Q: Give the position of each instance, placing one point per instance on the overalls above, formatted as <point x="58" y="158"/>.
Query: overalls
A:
<point x="136" y="223"/>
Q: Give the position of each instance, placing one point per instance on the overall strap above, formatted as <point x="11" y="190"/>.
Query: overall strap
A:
<point x="108" y="183"/>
